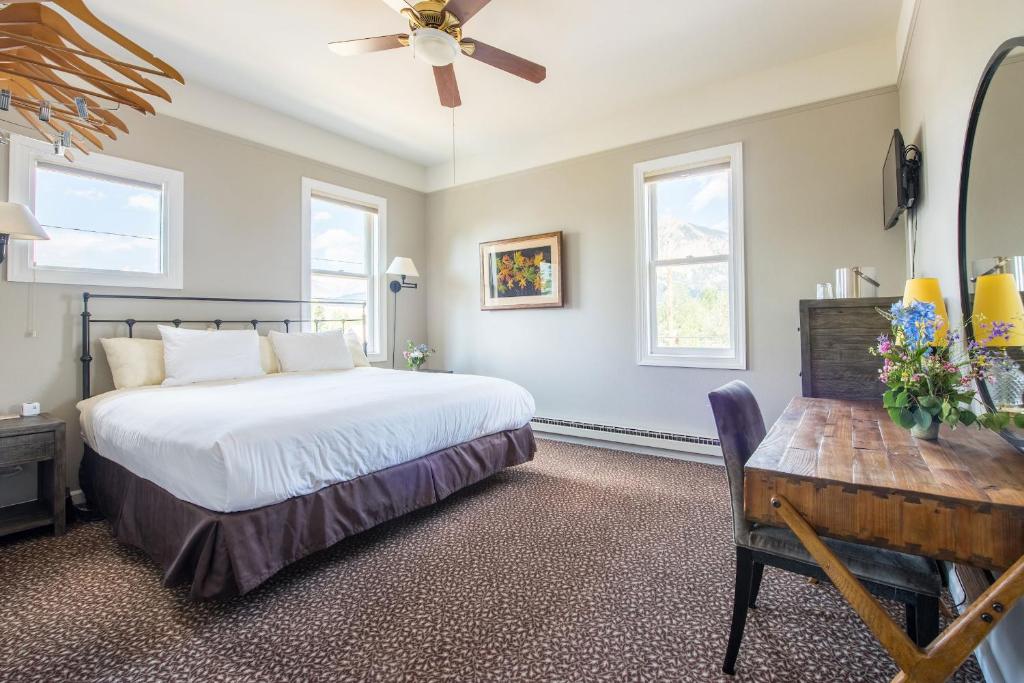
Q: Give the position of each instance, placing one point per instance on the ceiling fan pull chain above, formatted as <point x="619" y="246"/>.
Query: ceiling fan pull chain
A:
<point x="453" y="146"/>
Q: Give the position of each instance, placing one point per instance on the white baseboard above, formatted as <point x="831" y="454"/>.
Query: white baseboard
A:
<point x="632" y="443"/>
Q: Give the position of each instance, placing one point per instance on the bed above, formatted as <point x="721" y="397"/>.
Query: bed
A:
<point x="225" y="483"/>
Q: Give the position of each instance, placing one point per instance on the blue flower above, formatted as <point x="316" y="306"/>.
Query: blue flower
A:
<point x="917" y="321"/>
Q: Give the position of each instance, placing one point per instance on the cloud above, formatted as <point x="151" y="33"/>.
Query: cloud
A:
<point x="71" y="249"/>
<point x="90" y="194"/>
<point x="715" y="187"/>
<point x="145" y="201"/>
<point x="321" y="216"/>
<point x="340" y="249"/>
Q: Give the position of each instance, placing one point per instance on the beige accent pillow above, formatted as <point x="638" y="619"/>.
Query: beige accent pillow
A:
<point x="268" y="359"/>
<point x="134" y="362"/>
<point x="355" y="347"/>
<point x="140" y="362"/>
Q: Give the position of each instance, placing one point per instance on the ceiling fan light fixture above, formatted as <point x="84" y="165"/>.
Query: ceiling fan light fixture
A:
<point x="434" y="47"/>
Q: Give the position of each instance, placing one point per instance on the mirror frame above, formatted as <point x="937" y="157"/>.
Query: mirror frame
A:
<point x="965" y="176"/>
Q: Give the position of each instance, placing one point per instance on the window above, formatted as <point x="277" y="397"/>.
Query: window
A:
<point x="343" y="249"/>
<point x="690" y="291"/>
<point x="110" y="221"/>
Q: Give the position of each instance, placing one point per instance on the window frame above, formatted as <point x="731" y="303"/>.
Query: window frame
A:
<point x="734" y="358"/>
<point x="376" y="308"/>
<point x="27" y="153"/>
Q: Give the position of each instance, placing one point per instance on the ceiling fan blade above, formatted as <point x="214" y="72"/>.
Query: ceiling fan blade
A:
<point x="465" y="9"/>
<point x="447" y="86"/>
<point x="506" y="61"/>
<point x="346" y="48"/>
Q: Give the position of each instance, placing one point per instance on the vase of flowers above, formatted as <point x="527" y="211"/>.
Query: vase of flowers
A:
<point x="931" y="384"/>
<point x="417" y="354"/>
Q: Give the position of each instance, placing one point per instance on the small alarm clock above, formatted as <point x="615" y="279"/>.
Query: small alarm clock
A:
<point x="30" y="409"/>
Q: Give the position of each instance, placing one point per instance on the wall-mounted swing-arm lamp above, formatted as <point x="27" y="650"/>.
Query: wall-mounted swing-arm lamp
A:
<point x="405" y="268"/>
<point x="18" y="223"/>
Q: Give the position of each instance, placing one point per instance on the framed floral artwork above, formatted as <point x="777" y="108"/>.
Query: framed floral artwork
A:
<point x="522" y="272"/>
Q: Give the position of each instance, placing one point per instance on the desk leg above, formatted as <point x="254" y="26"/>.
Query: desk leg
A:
<point x="938" y="661"/>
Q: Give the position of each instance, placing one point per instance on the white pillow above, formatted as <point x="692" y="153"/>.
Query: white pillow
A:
<point x="355" y="347"/>
<point x="303" y="352"/>
<point x="134" y="362"/>
<point x="204" y="355"/>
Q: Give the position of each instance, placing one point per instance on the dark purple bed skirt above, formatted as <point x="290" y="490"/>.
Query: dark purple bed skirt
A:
<point x="229" y="553"/>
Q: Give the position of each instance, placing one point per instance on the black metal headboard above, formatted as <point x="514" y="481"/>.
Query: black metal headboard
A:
<point x="87" y="320"/>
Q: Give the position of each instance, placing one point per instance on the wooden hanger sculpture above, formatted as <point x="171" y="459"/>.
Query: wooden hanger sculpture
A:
<point x="55" y="79"/>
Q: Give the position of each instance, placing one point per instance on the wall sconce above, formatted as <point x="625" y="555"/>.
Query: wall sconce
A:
<point x="406" y="268"/>
<point x="18" y="223"/>
<point x="403" y="267"/>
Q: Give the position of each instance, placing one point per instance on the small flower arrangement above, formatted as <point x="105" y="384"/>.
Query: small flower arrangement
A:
<point x="417" y="354"/>
<point x="931" y="384"/>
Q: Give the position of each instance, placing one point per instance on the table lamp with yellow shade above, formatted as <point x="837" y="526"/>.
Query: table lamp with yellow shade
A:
<point x="997" y="300"/>
<point x="927" y="290"/>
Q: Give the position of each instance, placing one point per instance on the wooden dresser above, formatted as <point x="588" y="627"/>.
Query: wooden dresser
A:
<point x="835" y="335"/>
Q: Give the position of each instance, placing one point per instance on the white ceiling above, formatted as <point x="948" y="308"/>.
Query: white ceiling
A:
<point x="604" y="59"/>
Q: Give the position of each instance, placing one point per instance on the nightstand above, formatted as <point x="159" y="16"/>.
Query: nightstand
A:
<point x="35" y="441"/>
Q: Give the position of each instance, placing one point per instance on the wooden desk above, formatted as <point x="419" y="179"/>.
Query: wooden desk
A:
<point x="843" y="469"/>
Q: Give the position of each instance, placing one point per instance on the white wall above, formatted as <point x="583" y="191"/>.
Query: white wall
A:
<point x="813" y="203"/>
<point x="242" y="239"/>
<point x="950" y="44"/>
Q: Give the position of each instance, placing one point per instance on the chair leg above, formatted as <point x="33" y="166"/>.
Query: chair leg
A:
<point x="912" y="621"/>
<point x="926" y="618"/>
<point x="755" y="584"/>
<point x="741" y="601"/>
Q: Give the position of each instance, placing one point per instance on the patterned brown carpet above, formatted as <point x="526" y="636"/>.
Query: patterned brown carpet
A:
<point x="586" y="565"/>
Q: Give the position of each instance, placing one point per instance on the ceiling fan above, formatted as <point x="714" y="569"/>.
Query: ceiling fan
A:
<point x="435" y="34"/>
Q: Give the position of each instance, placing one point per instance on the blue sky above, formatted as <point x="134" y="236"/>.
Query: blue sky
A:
<point x="701" y="199"/>
<point x="338" y="243"/>
<point x="114" y="225"/>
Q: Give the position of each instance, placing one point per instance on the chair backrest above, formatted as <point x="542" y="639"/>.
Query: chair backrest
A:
<point x="740" y="431"/>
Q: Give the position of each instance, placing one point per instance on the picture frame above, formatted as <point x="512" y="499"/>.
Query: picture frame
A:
<point x="522" y="272"/>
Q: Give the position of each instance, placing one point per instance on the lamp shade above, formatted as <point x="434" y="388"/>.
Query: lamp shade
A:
<point x="18" y="222"/>
<point x="403" y="266"/>
<point x="997" y="300"/>
<point x="927" y="290"/>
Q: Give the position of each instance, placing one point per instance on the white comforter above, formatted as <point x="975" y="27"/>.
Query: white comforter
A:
<point x="238" y="445"/>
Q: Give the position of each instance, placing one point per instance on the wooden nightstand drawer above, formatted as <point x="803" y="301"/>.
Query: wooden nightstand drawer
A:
<point x="23" y="448"/>
<point x="39" y="443"/>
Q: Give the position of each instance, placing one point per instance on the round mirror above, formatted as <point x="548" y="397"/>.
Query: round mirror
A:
<point x="992" y="228"/>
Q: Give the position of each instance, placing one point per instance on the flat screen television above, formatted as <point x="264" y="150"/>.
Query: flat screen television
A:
<point x="899" y="181"/>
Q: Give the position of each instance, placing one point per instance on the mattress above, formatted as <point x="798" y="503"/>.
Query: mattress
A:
<point x="244" y="444"/>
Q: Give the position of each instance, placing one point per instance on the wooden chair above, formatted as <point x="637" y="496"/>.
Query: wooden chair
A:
<point x="912" y="580"/>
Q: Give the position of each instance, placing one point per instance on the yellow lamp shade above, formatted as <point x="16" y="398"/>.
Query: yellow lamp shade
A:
<point x="927" y="290"/>
<point x="997" y="300"/>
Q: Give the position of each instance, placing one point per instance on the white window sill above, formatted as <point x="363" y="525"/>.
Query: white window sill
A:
<point x="730" y="363"/>
<point x="95" y="278"/>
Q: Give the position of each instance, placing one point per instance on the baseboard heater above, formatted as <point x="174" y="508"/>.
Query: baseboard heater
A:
<point x="684" y="443"/>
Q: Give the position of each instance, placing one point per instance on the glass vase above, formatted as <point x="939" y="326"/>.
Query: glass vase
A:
<point x="929" y="433"/>
<point x="1008" y="386"/>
